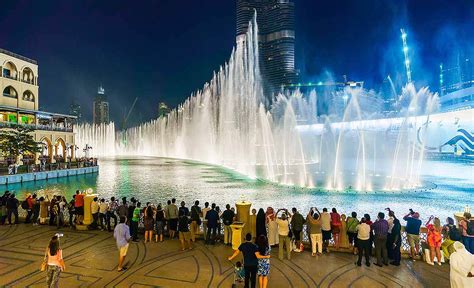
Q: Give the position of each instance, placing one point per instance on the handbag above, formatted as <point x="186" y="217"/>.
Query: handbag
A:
<point x="44" y="264"/>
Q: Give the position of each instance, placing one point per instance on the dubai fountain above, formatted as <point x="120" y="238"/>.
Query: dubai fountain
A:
<point x="227" y="124"/>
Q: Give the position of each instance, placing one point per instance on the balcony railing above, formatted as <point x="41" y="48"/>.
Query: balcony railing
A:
<point x="35" y="126"/>
<point x="10" y="77"/>
<point x="28" y="81"/>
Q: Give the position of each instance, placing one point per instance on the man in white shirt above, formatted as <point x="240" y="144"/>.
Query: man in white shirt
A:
<point x="204" y="221"/>
<point x="363" y="242"/>
<point x="283" y="230"/>
<point x="326" y="229"/>
<point x="95" y="212"/>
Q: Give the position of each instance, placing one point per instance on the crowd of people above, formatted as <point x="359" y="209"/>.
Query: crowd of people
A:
<point x="270" y="228"/>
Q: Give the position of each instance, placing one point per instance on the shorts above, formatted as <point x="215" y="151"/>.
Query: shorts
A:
<point x="123" y="250"/>
<point x="327" y="235"/>
<point x="413" y="239"/>
<point x="173" y="224"/>
<point x="80" y="211"/>
<point x="159" y="227"/>
<point x="185" y="236"/>
<point x="297" y="235"/>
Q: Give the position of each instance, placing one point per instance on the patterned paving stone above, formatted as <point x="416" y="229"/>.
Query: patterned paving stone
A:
<point x="91" y="260"/>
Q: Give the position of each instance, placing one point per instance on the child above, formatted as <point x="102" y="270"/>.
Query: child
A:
<point x="239" y="272"/>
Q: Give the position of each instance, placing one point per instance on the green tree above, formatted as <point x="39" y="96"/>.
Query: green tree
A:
<point x="18" y="141"/>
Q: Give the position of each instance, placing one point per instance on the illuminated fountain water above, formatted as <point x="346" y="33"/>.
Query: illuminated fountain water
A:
<point x="227" y="124"/>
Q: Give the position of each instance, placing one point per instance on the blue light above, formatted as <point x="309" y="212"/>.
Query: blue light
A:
<point x="405" y="49"/>
<point x="320" y="83"/>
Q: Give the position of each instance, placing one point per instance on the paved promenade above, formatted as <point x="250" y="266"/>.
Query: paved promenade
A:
<point x="91" y="258"/>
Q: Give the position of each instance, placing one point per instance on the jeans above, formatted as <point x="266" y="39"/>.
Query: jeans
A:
<point x="102" y="220"/>
<point x="34" y="219"/>
<point x="317" y="239"/>
<point x="29" y="213"/>
<point x="53" y="273"/>
<point x="381" y="249"/>
<point x="364" y="248"/>
<point x="284" y="240"/>
<point x="208" y="238"/>
<point x="468" y="243"/>
<point x="134" y="230"/>
<point x="111" y="215"/>
<point x="227" y="234"/>
<point x="60" y="219"/>
<point x="11" y="212"/>
<point x="250" y="275"/>
<point x="396" y="254"/>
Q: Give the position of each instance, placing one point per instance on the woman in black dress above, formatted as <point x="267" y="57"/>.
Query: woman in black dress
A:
<point x="149" y="223"/>
<point x="261" y="229"/>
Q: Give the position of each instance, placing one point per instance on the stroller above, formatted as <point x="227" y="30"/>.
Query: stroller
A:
<point x="239" y="274"/>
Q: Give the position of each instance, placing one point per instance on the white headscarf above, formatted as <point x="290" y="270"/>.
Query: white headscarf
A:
<point x="461" y="263"/>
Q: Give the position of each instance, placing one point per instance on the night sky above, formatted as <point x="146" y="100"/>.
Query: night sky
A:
<point x="164" y="50"/>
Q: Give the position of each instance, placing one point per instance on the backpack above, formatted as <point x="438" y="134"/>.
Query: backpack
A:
<point x="454" y="233"/>
<point x="470" y="228"/>
<point x="24" y="205"/>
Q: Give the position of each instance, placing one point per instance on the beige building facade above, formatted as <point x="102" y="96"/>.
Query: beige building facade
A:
<point x="19" y="105"/>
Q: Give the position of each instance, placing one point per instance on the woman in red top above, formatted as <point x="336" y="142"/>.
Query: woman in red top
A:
<point x="335" y="226"/>
<point x="434" y="239"/>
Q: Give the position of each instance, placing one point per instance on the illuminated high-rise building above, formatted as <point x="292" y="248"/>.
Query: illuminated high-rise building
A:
<point x="276" y="24"/>
<point x="101" y="107"/>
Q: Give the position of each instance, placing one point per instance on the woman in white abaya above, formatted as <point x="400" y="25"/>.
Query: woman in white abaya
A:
<point x="462" y="265"/>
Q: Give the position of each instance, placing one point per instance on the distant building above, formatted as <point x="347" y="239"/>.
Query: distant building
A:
<point x="19" y="106"/>
<point x="163" y="109"/>
<point x="457" y="84"/>
<point x="101" y="107"/>
<point x="75" y="110"/>
<point x="276" y="24"/>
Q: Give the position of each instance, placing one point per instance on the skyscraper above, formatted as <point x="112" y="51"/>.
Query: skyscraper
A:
<point x="101" y="107"/>
<point x="75" y="110"/>
<point x="276" y="21"/>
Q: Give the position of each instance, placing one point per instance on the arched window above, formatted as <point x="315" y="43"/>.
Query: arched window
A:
<point x="28" y="76"/>
<point x="9" y="70"/>
<point x="28" y="96"/>
<point x="9" y="91"/>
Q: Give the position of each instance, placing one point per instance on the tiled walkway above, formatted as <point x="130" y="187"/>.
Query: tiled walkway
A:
<point x="91" y="258"/>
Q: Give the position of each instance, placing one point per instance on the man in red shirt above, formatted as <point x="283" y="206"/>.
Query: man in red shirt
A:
<point x="79" y="207"/>
<point x="29" y="210"/>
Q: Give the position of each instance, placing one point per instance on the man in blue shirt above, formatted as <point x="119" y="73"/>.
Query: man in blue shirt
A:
<point x="122" y="236"/>
<point x="212" y="217"/>
<point x="413" y="232"/>
<point x="248" y="249"/>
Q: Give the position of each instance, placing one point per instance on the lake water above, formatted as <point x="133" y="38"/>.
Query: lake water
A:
<point x="160" y="179"/>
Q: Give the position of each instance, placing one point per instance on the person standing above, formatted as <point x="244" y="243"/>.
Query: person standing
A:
<point x="61" y="206"/>
<point x="380" y="229"/>
<point x="149" y="223"/>
<point x="227" y="219"/>
<point x="122" y="236"/>
<point x="413" y="232"/>
<point x="79" y="207"/>
<point x="29" y="208"/>
<point x="3" y="207"/>
<point x="389" y="236"/>
<point x="212" y="217"/>
<point x="283" y="233"/>
<point x="434" y="239"/>
<point x="451" y="234"/>
<point x="326" y="229"/>
<point x="103" y="211"/>
<point x="43" y="210"/>
<point x="36" y="209"/>
<point x="130" y="209"/>
<point x="204" y="221"/>
<point x="461" y="263"/>
<point x="467" y="229"/>
<point x="297" y="222"/>
<point x="12" y="208"/>
<point x="134" y="222"/>
<point x="95" y="212"/>
<point x="336" y="227"/>
<point x="72" y="211"/>
<point x="183" y="230"/>
<point x="123" y="208"/>
<point x="272" y="227"/>
<point x="159" y="223"/>
<point x="195" y="220"/>
<point x="111" y="213"/>
<point x="249" y="251"/>
<point x="253" y="223"/>
<point x="55" y="261"/>
<point x="263" y="257"/>
<point x="314" y="221"/>
<point x="351" y="224"/>
<point x="363" y="242"/>
<point x="396" y="236"/>
<point x="172" y="214"/>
